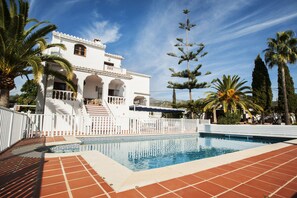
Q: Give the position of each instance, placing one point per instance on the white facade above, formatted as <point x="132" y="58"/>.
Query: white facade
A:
<point x="100" y="80"/>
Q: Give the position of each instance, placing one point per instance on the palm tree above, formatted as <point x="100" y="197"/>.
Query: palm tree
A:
<point x="230" y="94"/>
<point x="280" y="52"/>
<point x="22" y="47"/>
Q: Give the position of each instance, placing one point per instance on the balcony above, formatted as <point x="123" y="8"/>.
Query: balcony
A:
<point x="64" y="95"/>
<point x="117" y="100"/>
<point x="114" y="69"/>
<point x="56" y="53"/>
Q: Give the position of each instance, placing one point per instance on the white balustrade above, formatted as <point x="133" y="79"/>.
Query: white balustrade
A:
<point x="117" y="100"/>
<point x="64" y="95"/>
<point x="114" y="69"/>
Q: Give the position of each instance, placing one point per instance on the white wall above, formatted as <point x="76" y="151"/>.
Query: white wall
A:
<point x="140" y="85"/>
<point x="93" y="59"/>
<point x="55" y="106"/>
<point x="251" y="130"/>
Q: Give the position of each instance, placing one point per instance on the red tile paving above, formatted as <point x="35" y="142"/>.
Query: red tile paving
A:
<point x="272" y="174"/>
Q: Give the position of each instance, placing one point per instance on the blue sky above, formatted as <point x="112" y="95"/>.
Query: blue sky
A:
<point x="143" y="32"/>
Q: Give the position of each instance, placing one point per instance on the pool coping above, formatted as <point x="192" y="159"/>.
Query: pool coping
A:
<point x="120" y="178"/>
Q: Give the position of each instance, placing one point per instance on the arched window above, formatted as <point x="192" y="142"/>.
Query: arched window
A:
<point x="80" y="50"/>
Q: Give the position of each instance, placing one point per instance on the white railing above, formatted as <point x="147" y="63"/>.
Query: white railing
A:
<point x="108" y="108"/>
<point x="63" y="95"/>
<point x="117" y="100"/>
<point x="60" y="125"/>
<point x="251" y="130"/>
<point x="13" y="127"/>
<point x="161" y="126"/>
<point x="114" y="69"/>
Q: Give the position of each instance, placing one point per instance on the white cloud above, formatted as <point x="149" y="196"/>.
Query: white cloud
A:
<point x="71" y="1"/>
<point x="105" y="31"/>
<point x="249" y="28"/>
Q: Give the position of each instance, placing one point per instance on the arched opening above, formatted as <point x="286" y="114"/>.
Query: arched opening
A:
<point x="92" y="92"/>
<point x="80" y="50"/>
<point x="139" y="100"/>
<point x="116" y="92"/>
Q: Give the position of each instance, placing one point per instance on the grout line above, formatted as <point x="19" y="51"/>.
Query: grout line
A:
<point x="53" y="194"/>
<point x="283" y="186"/>
<point x="106" y="193"/>
<point x="46" y="185"/>
<point x="66" y="180"/>
<point x="167" y="194"/>
<point x="140" y="192"/>
<point x="169" y="191"/>
<point x="81" y="187"/>
<point x="259" y="175"/>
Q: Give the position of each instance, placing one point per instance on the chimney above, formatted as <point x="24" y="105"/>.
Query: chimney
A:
<point x="96" y="40"/>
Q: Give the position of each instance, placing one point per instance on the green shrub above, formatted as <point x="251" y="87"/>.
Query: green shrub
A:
<point x="229" y="118"/>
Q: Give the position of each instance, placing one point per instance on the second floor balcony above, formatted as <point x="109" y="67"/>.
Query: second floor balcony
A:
<point x="114" y="69"/>
<point x="63" y="95"/>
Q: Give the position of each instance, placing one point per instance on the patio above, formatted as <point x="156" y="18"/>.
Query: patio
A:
<point x="26" y="173"/>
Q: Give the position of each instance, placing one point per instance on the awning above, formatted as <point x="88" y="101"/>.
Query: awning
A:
<point x="155" y="109"/>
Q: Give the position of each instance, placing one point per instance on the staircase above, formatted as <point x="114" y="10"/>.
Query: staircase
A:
<point x="95" y="110"/>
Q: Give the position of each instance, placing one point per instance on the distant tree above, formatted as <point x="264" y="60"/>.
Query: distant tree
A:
<point x="195" y="107"/>
<point x="292" y="102"/>
<point x="187" y="56"/>
<point x="13" y="100"/>
<point x="230" y="94"/>
<point x="29" y="93"/>
<point x="261" y="86"/>
<point x="280" y="52"/>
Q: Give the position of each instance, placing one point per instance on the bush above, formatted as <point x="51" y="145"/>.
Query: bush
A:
<point x="229" y="118"/>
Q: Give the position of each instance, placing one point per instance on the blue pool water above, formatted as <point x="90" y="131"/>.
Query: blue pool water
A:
<point x="143" y="153"/>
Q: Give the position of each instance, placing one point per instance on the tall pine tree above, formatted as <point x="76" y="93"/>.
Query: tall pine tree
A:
<point x="188" y="56"/>
<point x="292" y="103"/>
<point x="261" y="86"/>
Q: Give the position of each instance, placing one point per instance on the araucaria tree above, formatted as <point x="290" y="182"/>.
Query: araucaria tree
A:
<point x="261" y="86"/>
<point x="22" y="46"/>
<point x="281" y="51"/>
<point x="187" y="56"/>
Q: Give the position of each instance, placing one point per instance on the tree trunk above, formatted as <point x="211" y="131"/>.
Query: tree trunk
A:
<point x="287" y="118"/>
<point x="7" y="84"/>
<point x="44" y="94"/>
<point x="4" y="98"/>
<point x="214" y="112"/>
<point x="190" y="96"/>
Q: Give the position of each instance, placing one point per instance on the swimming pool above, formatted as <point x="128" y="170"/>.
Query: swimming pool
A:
<point x="149" y="152"/>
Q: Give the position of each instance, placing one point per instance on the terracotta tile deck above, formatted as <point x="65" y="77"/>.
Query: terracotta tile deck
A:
<point x="273" y="174"/>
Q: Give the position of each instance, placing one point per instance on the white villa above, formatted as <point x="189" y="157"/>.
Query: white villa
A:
<point x="104" y="87"/>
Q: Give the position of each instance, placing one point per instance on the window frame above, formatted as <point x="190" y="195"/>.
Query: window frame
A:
<point x="80" y="50"/>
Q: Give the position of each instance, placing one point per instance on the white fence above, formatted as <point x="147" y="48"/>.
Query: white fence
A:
<point x="13" y="127"/>
<point x="59" y="125"/>
<point x="288" y="131"/>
